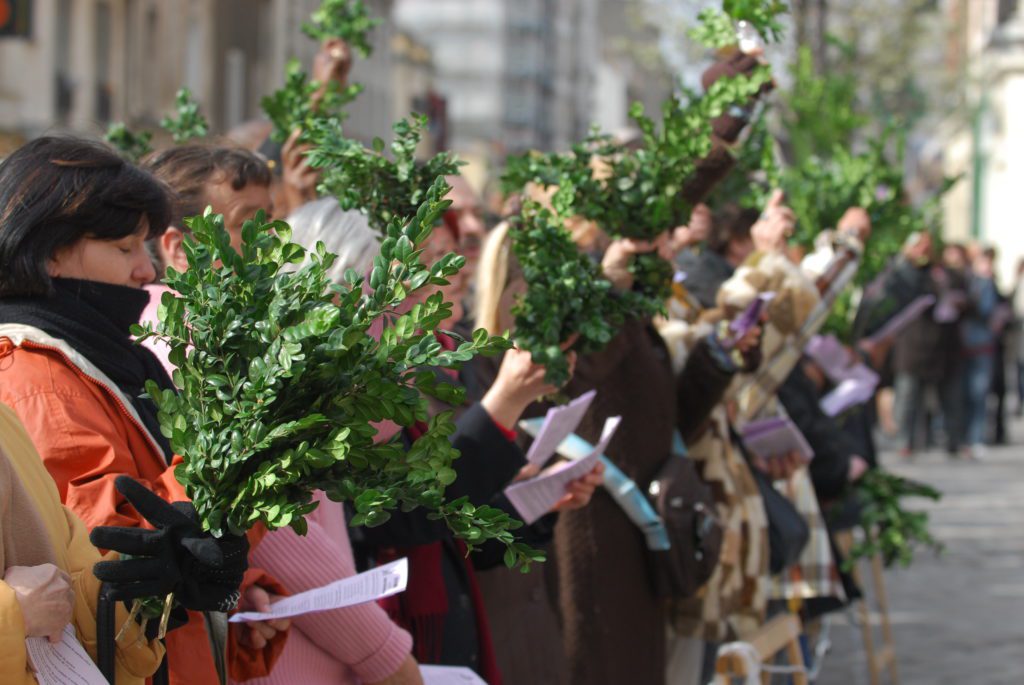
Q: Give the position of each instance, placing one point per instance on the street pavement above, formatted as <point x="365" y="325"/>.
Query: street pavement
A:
<point x="959" y="618"/>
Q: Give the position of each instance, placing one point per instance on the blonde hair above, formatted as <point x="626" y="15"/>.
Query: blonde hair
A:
<point x="492" y="278"/>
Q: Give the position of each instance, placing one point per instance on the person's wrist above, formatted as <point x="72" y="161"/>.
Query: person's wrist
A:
<point x="504" y="407"/>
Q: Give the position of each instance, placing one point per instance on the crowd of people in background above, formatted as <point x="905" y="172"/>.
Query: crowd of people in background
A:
<point x="85" y="237"/>
<point x="953" y="368"/>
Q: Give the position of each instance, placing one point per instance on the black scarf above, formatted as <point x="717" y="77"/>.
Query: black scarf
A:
<point x="94" y="319"/>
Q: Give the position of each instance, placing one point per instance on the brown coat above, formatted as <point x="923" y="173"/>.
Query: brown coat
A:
<point x="614" y="625"/>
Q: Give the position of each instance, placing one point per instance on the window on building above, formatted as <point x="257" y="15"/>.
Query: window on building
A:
<point x="1007" y="8"/>
<point x="63" y="89"/>
<point x="104" y="82"/>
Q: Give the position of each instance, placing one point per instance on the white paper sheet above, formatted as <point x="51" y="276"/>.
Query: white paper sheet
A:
<point x="904" y="318"/>
<point x="64" y="663"/>
<point x="450" y="675"/>
<point x="383" y="581"/>
<point x="534" y="497"/>
<point x="559" y="423"/>
<point x="848" y="393"/>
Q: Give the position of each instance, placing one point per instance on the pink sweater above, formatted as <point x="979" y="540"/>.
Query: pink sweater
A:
<point x="352" y="645"/>
<point x="149" y="315"/>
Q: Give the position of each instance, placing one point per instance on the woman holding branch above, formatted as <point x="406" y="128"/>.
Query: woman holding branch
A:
<point x="74" y="219"/>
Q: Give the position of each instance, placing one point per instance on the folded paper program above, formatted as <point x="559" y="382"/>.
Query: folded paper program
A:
<point x="849" y="393"/>
<point x="559" y="423"/>
<point x="750" y="317"/>
<point x="775" y="437"/>
<point x="534" y="497"/>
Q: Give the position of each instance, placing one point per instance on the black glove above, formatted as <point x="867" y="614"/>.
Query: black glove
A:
<point x="202" y="571"/>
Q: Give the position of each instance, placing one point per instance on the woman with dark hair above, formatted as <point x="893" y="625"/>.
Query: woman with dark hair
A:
<point x="74" y="220"/>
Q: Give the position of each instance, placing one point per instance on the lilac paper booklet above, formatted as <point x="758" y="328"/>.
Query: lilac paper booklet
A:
<point x="904" y="318"/>
<point x="774" y="437"/>
<point x="534" y="497"/>
<point x="559" y="423"/>
<point x="849" y="393"/>
<point x="750" y="317"/>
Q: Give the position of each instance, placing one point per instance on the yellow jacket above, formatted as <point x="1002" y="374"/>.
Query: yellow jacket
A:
<point x="135" y="661"/>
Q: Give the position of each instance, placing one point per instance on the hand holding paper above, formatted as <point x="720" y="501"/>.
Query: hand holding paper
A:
<point x="383" y="581"/>
<point x="535" y="497"/>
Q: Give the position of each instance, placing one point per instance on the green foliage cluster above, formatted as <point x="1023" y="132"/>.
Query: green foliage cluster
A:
<point x="638" y="193"/>
<point x="280" y="380"/>
<point x="821" y="110"/>
<point x="187" y="122"/>
<point x="889" y="529"/>
<point x="301" y="102"/>
<point x="566" y="294"/>
<point x="133" y="146"/>
<point x="717" y="28"/>
<point x="184" y="125"/>
<point x="387" y="189"/>
<point x="346" y="19"/>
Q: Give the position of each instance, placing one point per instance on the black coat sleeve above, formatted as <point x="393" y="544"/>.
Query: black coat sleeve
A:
<point x="488" y="462"/>
<point x="833" y="447"/>
<point x="700" y="387"/>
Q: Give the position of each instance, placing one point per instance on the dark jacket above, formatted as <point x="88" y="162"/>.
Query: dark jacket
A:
<point x="922" y="349"/>
<point x="833" y="447"/>
<point x="488" y="461"/>
<point x="614" y="625"/>
<point x="707" y="275"/>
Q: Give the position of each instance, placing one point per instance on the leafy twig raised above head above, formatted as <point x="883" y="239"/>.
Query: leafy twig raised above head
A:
<point x="132" y="145"/>
<point x="300" y="102"/>
<point x="386" y="189"/>
<point x="187" y="122"/>
<point x="349" y="20"/>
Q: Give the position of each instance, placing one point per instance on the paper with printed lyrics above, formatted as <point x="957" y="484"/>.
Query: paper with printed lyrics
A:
<point x="775" y="437"/>
<point x="64" y="663"/>
<point x="383" y="581"/>
<point x="534" y="497"/>
<point x="450" y="675"/>
<point x="559" y="423"/>
<point x="895" y="325"/>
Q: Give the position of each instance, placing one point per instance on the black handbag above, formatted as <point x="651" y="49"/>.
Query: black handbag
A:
<point x="788" y="532"/>
<point x="686" y="507"/>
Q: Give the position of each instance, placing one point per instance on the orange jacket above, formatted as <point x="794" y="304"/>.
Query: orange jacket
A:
<point x="88" y="433"/>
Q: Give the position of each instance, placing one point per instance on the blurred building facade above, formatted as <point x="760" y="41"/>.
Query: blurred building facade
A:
<point x="533" y="74"/>
<point x="85" y="63"/>
<point x="984" y="141"/>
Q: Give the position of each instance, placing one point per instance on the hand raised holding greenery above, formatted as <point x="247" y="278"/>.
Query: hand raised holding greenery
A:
<point x="187" y="122"/>
<point x="566" y="295"/>
<point x="639" y="193"/>
<point x="717" y="28"/>
<point x="281" y="380"/>
<point x="302" y="102"/>
<point x="346" y="19"/>
<point x="387" y="190"/>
